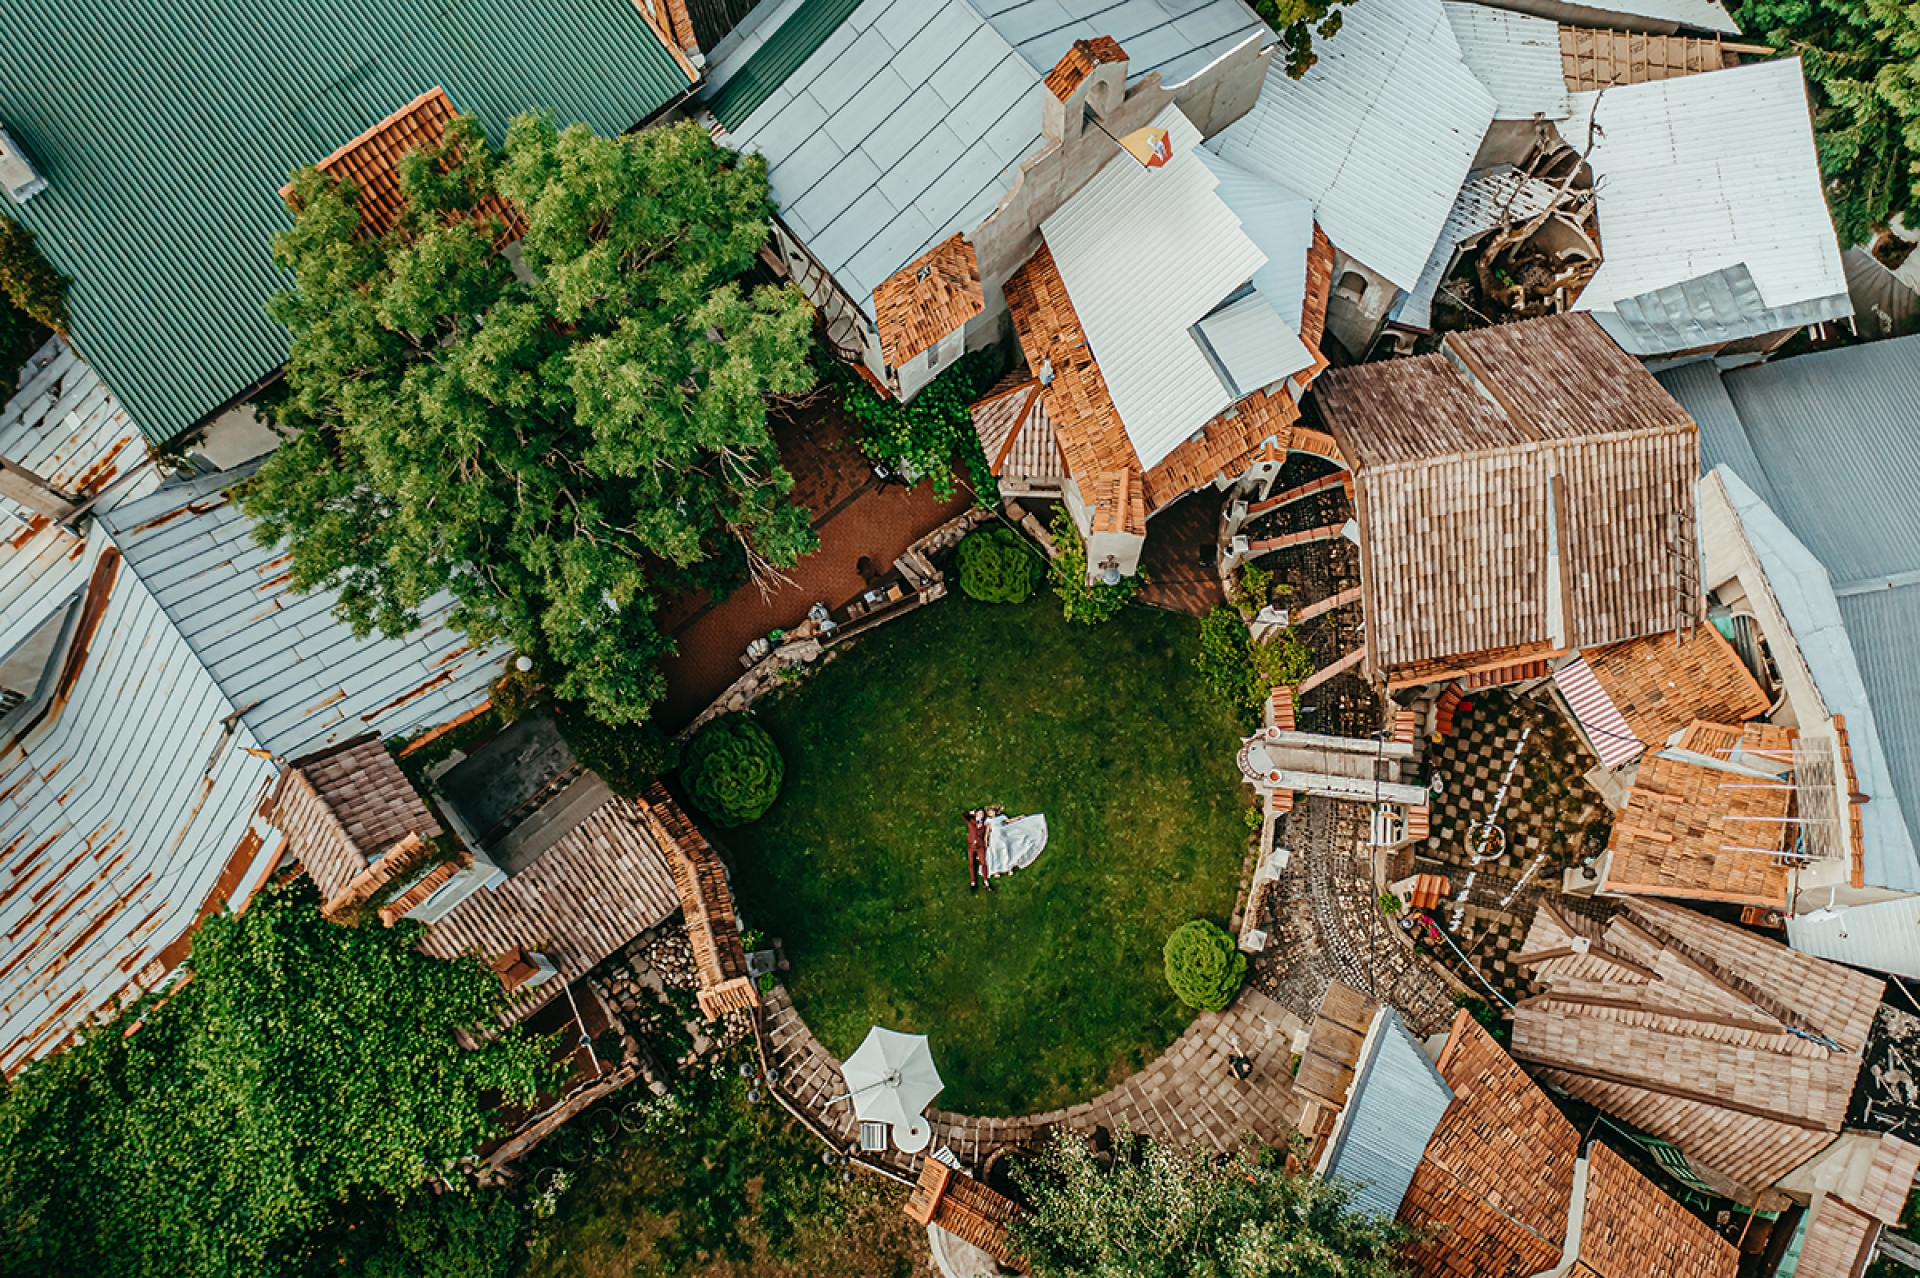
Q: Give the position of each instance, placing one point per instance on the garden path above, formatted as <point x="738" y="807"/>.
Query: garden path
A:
<point x="1185" y="1096"/>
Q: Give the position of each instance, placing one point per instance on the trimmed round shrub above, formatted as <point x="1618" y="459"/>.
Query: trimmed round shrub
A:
<point x="733" y="771"/>
<point x="1204" y="967"/>
<point x="997" y="567"/>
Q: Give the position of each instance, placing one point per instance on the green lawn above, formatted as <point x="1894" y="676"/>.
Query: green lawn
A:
<point x="1048" y="989"/>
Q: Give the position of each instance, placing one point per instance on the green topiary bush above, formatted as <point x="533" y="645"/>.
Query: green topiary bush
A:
<point x="733" y="771"/>
<point x="1203" y="965"/>
<point x="997" y="567"/>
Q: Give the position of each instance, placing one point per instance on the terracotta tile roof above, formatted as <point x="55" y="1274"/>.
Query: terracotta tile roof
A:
<point x="926" y="299"/>
<point x="579" y="901"/>
<point x="1256" y="426"/>
<point x="965" y="1208"/>
<point x="1313" y="311"/>
<point x="1697" y="1032"/>
<point x="371" y="162"/>
<point x="1085" y="423"/>
<point x="1457" y="471"/>
<point x="1701" y="833"/>
<point x="1632" y="1229"/>
<point x="1662" y="683"/>
<point x="343" y="807"/>
<point x="1119" y="501"/>
<point x="701" y="881"/>
<point x="1016" y="434"/>
<point x="1491" y="1193"/>
<point x="1079" y="61"/>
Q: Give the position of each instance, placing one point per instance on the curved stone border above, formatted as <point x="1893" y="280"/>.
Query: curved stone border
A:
<point x="1185" y="1096"/>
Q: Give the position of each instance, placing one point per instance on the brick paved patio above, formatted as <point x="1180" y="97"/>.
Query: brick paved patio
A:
<point x="1185" y="1096"/>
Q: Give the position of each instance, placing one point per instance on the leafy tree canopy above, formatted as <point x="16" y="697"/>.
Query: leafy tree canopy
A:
<point x="555" y="433"/>
<point x="1862" y="58"/>
<point x="212" y="1131"/>
<point x="1298" y="22"/>
<point x="1161" y="1212"/>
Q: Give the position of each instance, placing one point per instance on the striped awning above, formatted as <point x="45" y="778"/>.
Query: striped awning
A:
<point x="1600" y="719"/>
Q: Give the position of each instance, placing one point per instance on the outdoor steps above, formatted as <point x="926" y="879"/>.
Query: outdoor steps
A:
<point x="1314" y="609"/>
<point x="1325" y="533"/>
<point x="1339" y="667"/>
<point x="1308" y="489"/>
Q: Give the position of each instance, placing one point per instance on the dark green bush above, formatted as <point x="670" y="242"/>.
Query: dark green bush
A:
<point x="997" y="567"/>
<point x="1242" y="673"/>
<point x="927" y="435"/>
<point x="1203" y="965"/>
<point x="733" y="771"/>
<point x="627" y="756"/>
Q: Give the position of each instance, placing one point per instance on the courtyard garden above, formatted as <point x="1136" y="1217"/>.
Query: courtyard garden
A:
<point x="1049" y="988"/>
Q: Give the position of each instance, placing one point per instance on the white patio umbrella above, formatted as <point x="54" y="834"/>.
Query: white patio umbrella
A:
<point x="891" y="1078"/>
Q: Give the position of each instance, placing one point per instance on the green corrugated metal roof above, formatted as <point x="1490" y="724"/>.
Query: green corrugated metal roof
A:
<point x="804" y="31"/>
<point x="165" y="129"/>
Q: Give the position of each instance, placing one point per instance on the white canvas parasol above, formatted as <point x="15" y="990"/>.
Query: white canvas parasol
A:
<point x="891" y="1078"/>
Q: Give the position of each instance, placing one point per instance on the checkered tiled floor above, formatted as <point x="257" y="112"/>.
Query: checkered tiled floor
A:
<point x="1547" y="820"/>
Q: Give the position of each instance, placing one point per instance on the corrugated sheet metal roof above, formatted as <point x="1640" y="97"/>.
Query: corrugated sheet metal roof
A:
<point x="1639" y="15"/>
<point x="165" y="131"/>
<point x="778" y="56"/>
<point x="1379" y="134"/>
<point x="1396" y="1102"/>
<point x="1723" y="440"/>
<point x="1697" y="175"/>
<point x="302" y="678"/>
<point x="1881" y="935"/>
<point x="1516" y="55"/>
<point x="904" y="126"/>
<point x="119" y="815"/>
<point x="1145" y="253"/>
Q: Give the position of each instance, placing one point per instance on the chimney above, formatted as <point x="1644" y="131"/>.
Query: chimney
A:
<point x="16" y="171"/>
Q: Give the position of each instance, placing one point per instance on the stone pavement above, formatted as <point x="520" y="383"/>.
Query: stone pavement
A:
<point x="1186" y="1096"/>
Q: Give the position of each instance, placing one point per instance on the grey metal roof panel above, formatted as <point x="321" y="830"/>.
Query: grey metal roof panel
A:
<point x="1396" y="1101"/>
<point x="165" y="131"/>
<point x="1723" y="440"/>
<point x="1177" y="38"/>
<point x="303" y="678"/>
<point x="1836" y="432"/>
<point x="1710" y="310"/>
<point x="1884" y="627"/>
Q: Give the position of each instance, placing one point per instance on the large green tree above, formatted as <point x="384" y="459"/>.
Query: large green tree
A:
<point x="555" y="430"/>
<point x="1862" y="59"/>
<point x="299" y="1065"/>
<point x="1162" y="1212"/>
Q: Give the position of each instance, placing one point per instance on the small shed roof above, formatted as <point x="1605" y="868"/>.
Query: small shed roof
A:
<point x="1397" y="1100"/>
<point x="166" y="131"/>
<point x="343" y="808"/>
<point x="1379" y="133"/>
<point x="928" y="298"/>
<point x="1713" y="224"/>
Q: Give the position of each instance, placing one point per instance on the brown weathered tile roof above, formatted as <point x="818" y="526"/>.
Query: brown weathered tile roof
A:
<point x="926" y="299"/>
<point x="1079" y="61"/>
<point x="1333" y="1046"/>
<point x="1087" y="426"/>
<point x="701" y="881"/>
<point x="1662" y="683"/>
<point x="1491" y="1193"/>
<point x="589" y="894"/>
<point x="1697" y="1032"/>
<point x="403" y="861"/>
<point x="1016" y="434"/>
<point x="1454" y="489"/>
<point x="1701" y="833"/>
<point x="965" y="1208"/>
<point x="342" y="808"/>
<point x="1839" y="1240"/>
<point x="1890" y="1178"/>
<point x="1633" y="1229"/>
<point x="371" y="162"/>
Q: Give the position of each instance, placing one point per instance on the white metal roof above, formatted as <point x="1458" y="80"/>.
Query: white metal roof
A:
<point x="1379" y="134"/>
<point x="123" y="809"/>
<point x="1658" y="16"/>
<point x="1177" y="38"/>
<point x="1145" y="254"/>
<point x="303" y="680"/>
<point x="1253" y="344"/>
<point x="1883" y="935"/>
<point x="905" y="126"/>
<point x="1698" y="176"/>
<point x="1279" y="222"/>
<point x="1515" y="55"/>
